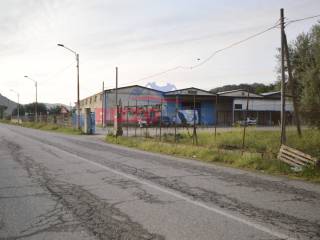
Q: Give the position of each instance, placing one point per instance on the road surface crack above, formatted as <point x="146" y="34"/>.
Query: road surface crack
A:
<point x="100" y="218"/>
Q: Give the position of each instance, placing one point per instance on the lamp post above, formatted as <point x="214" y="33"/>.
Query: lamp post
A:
<point x="78" y="88"/>
<point x="36" y="105"/>
<point x="18" y="106"/>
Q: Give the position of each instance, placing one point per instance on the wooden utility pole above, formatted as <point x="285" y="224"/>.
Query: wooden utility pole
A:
<point x="128" y="119"/>
<point x="215" y="126"/>
<point x="136" y="120"/>
<point x="194" y="135"/>
<point x="283" y="82"/>
<point x="175" y="121"/>
<point x="117" y="88"/>
<point x="245" y="122"/>
<point x="292" y="86"/>
<point x="102" y="105"/>
<point x="118" y="128"/>
<point x="78" y="92"/>
<point x="160" y="122"/>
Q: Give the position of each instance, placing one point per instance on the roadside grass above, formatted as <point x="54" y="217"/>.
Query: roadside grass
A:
<point x="47" y="127"/>
<point x="260" y="153"/>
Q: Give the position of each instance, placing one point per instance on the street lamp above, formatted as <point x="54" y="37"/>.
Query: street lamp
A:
<point x="36" y="105"/>
<point x="78" y="88"/>
<point x="18" y="107"/>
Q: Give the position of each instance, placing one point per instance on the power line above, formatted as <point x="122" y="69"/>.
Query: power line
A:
<point x="276" y="25"/>
<point x="301" y="19"/>
<point x="209" y="57"/>
<point x="232" y="45"/>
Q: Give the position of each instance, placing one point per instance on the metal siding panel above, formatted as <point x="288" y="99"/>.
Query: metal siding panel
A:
<point x="263" y="105"/>
<point x="207" y="113"/>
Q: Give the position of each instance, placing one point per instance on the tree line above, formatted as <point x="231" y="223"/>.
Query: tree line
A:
<point x="29" y="109"/>
<point x="254" y="87"/>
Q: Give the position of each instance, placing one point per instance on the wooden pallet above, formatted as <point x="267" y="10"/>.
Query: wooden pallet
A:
<point x="295" y="157"/>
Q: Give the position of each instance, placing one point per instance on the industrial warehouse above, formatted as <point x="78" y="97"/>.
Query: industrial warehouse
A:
<point x="137" y="103"/>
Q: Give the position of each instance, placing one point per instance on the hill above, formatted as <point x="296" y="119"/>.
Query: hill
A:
<point x="6" y="105"/>
<point x="254" y="87"/>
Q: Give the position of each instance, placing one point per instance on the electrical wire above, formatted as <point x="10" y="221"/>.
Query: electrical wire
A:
<point x="276" y="25"/>
<point x="232" y="45"/>
<point x="191" y="67"/>
<point x="301" y="19"/>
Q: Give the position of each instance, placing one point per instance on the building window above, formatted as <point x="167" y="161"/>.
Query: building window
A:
<point x="95" y="98"/>
<point x="238" y="106"/>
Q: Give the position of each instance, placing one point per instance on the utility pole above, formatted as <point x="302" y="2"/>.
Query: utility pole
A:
<point x="78" y="92"/>
<point x="136" y="120"/>
<point x="175" y="120"/>
<point x="195" y="137"/>
<point x="160" y="133"/>
<point x="292" y="86"/>
<point x="215" y="126"/>
<point x="283" y="86"/>
<point x="36" y="103"/>
<point x="245" y="122"/>
<point x="102" y="105"/>
<point x="78" y="83"/>
<point x="18" y="109"/>
<point x="117" y="110"/>
<point x="18" y="105"/>
<point x="127" y="119"/>
<point x="118" y="123"/>
<point x="36" y="107"/>
<point x="117" y="88"/>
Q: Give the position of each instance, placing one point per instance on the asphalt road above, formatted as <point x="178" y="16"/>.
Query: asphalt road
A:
<point x="55" y="186"/>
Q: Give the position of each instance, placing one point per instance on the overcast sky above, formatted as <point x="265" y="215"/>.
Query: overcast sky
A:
<point x="141" y="37"/>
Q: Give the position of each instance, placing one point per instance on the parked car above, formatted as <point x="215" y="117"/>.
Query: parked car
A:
<point x="248" y="122"/>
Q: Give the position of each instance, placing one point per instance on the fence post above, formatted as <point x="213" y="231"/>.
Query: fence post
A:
<point x="160" y="119"/>
<point x="215" y="126"/>
<point x="136" y="120"/>
<point x="127" y="119"/>
<point x="175" y="121"/>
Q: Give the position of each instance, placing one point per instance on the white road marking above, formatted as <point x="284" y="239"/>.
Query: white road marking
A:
<point x="177" y="195"/>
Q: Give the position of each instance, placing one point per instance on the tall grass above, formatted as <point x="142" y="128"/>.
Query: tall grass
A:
<point x="52" y="127"/>
<point x="261" y="148"/>
<point x="47" y="127"/>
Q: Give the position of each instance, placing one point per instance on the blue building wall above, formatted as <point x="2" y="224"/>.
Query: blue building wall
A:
<point x="170" y="108"/>
<point x="207" y="113"/>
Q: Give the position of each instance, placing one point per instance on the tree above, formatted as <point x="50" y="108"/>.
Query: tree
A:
<point x="30" y="108"/>
<point x="305" y="61"/>
<point x="21" y="111"/>
<point x="55" y="110"/>
<point x="254" y="87"/>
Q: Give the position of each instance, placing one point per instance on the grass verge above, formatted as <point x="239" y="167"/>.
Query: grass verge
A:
<point x="47" y="127"/>
<point x="259" y="155"/>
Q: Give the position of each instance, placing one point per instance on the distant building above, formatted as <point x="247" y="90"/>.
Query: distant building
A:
<point x="222" y="108"/>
